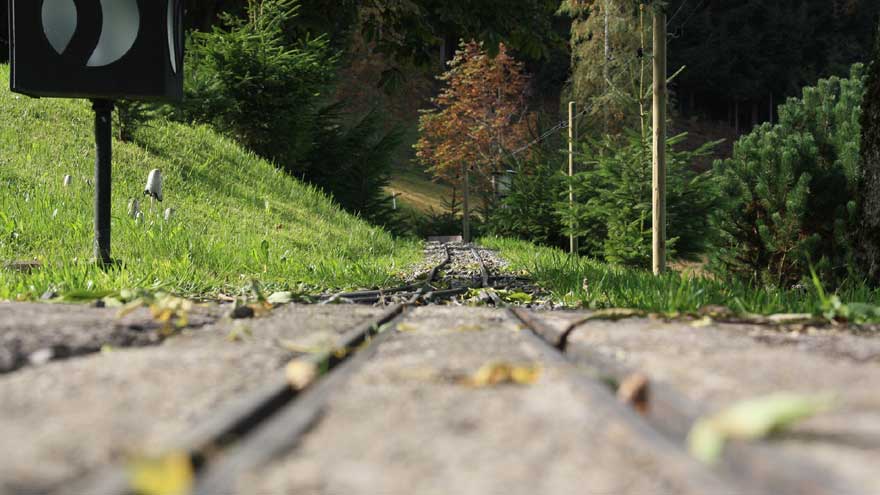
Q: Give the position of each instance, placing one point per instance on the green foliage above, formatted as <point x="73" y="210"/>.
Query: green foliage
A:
<point x="789" y="191"/>
<point x="129" y="116"/>
<point x="263" y="83"/>
<point x="610" y="75"/>
<point x="528" y="210"/>
<point x="247" y="81"/>
<point x="236" y="217"/>
<point x="868" y="235"/>
<point x="409" y="29"/>
<point x="747" y="49"/>
<point x="613" y="213"/>
<point x="354" y="164"/>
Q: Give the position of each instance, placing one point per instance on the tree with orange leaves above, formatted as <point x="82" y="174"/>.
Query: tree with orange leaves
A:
<point x="480" y="117"/>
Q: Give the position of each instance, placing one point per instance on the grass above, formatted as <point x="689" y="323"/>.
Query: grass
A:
<point x="417" y="190"/>
<point x="582" y="282"/>
<point x="236" y="218"/>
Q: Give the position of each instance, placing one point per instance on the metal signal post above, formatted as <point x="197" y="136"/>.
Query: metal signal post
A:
<point x="103" y="160"/>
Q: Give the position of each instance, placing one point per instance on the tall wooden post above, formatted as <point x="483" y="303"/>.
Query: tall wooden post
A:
<point x="572" y="137"/>
<point x="659" y="155"/>
<point x="465" y="205"/>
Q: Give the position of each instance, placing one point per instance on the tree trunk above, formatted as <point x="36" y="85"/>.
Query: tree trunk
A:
<point x="736" y="116"/>
<point x="754" y="114"/>
<point x="868" y="244"/>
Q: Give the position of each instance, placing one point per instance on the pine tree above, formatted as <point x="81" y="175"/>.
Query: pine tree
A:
<point x="868" y="243"/>
<point x="789" y="190"/>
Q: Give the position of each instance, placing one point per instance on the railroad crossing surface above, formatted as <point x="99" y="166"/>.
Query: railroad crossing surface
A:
<point x="401" y="396"/>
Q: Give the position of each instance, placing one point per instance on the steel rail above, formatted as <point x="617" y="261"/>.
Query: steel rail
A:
<point x="241" y="417"/>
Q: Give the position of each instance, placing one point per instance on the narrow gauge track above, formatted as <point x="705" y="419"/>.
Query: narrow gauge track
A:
<point x="243" y="417"/>
<point x="266" y="423"/>
<point x="461" y="269"/>
<point x="671" y="414"/>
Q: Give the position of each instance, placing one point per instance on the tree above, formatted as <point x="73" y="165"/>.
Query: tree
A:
<point x="479" y="119"/>
<point x="789" y="191"/>
<point x="610" y="71"/>
<point x="412" y="29"/>
<point x="252" y="81"/>
<point x="247" y="81"/>
<point x="868" y="241"/>
<point x="614" y="218"/>
<point x="743" y="57"/>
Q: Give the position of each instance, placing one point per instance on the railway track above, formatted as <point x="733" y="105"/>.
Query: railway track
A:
<point x="460" y="269"/>
<point x="267" y="423"/>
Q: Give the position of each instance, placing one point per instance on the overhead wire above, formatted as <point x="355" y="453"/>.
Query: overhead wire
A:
<point x="674" y="32"/>
<point x="683" y="3"/>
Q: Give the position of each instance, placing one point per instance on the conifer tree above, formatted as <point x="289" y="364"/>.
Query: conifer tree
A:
<point x="789" y="190"/>
<point x="868" y="243"/>
<point x="610" y="75"/>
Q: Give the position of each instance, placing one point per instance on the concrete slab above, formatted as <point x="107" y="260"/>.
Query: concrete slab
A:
<point x="32" y="333"/>
<point x="408" y="424"/>
<point x="718" y="365"/>
<point x="67" y="418"/>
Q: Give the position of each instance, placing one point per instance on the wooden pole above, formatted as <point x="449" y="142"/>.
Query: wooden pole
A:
<point x="572" y="137"/>
<point x="465" y="205"/>
<point x="659" y="155"/>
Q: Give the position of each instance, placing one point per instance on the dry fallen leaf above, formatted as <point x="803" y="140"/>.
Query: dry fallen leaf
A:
<point x="168" y="475"/>
<point x="300" y="374"/>
<point x="281" y="298"/>
<point x="406" y="327"/>
<point x="752" y="419"/>
<point x="500" y="373"/>
<point x="703" y="322"/>
<point x="635" y="391"/>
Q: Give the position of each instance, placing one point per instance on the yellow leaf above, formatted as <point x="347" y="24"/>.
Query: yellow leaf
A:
<point x="500" y="373"/>
<point x="406" y="327"/>
<point x="168" y="475"/>
<point x="751" y="420"/>
<point x="703" y="322"/>
<point x="468" y="328"/>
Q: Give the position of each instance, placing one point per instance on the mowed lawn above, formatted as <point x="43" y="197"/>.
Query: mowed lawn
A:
<point x="236" y="218"/>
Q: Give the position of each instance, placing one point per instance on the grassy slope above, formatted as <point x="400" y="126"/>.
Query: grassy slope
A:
<point x="585" y="282"/>
<point x="417" y="190"/>
<point x="226" y="202"/>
